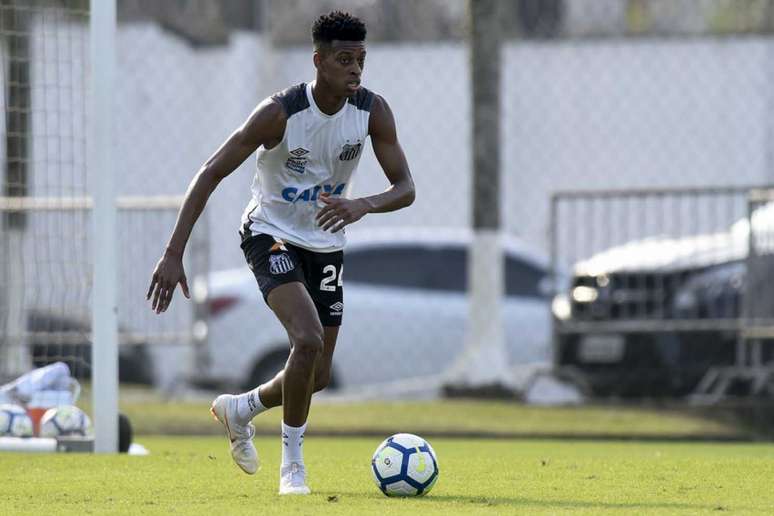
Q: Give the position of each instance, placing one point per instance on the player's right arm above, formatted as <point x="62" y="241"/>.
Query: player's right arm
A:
<point x="265" y="126"/>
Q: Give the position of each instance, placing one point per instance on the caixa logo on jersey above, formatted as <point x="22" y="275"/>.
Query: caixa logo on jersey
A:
<point x="350" y="151"/>
<point x="291" y="194"/>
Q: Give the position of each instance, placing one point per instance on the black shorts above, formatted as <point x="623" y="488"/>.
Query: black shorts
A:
<point x="275" y="262"/>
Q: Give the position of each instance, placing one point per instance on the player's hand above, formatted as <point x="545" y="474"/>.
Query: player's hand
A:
<point x="167" y="274"/>
<point x="339" y="212"/>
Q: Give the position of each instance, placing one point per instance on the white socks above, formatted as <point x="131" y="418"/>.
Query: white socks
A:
<point x="292" y="439"/>
<point x="249" y="405"/>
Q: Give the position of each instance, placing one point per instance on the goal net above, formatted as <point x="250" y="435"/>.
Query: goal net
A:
<point x="45" y="260"/>
<point x="47" y="221"/>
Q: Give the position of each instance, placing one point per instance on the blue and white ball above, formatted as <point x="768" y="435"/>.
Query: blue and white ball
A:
<point x="14" y="421"/>
<point x="405" y="465"/>
<point x="65" y="420"/>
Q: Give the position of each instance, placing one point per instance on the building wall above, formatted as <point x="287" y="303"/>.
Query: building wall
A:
<point x="592" y="114"/>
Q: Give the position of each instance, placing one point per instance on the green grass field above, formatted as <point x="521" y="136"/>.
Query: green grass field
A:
<point x="151" y="414"/>
<point x="190" y="470"/>
<point x="195" y="475"/>
<point x="447" y="417"/>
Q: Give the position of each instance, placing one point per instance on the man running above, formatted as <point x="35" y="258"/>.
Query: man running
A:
<point x="309" y="139"/>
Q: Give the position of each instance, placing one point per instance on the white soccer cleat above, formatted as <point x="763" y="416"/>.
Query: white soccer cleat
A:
<point x="224" y="409"/>
<point x="293" y="480"/>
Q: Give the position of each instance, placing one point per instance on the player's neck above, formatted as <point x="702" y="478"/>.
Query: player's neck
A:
<point x="326" y="101"/>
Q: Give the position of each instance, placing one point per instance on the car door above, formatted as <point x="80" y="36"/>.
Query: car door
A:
<point x="405" y="312"/>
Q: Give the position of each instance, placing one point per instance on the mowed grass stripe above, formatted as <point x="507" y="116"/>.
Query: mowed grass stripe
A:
<point x="461" y="418"/>
<point x="195" y="475"/>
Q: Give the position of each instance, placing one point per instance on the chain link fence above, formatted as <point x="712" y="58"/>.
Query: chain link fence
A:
<point x="612" y="94"/>
<point x="46" y="205"/>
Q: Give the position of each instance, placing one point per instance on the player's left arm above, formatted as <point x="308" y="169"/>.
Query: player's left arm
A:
<point x="340" y="212"/>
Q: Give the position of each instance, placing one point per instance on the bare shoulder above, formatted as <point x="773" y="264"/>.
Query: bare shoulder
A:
<point x="381" y="123"/>
<point x="266" y="124"/>
<point x="272" y="108"/>
<point x="270" y="112"/>
<point x="380" y="107"/>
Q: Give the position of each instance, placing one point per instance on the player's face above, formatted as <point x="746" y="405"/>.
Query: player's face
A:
<point x="342" y="66"/>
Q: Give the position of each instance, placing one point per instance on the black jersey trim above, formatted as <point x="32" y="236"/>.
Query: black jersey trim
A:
<point x="246" y="231"/>
<point x="293" y="99"/>
<point x="363" y="99"/>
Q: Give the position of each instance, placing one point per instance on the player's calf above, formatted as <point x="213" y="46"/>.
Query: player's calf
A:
<point x="321" y="379"/>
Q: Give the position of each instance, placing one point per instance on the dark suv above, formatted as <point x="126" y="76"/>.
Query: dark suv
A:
<point x="650" y="332"/>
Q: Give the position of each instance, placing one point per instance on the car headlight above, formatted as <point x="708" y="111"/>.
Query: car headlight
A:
<point x="584" y="294"/>
<point x="561" y="307"/>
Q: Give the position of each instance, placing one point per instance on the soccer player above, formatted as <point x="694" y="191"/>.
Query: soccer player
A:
<point x="309" y="139"/>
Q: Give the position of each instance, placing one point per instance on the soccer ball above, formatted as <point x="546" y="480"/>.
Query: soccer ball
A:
<point x="404" y="465"/>
<point x="14" y="421"/>
<point x="65" y="420"/>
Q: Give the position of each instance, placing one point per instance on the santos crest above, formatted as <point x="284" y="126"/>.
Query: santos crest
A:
<point x="349" y="151"/>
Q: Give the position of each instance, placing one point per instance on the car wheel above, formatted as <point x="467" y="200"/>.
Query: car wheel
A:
<point x="266" y="368"/>
<point x="270" y="364"/>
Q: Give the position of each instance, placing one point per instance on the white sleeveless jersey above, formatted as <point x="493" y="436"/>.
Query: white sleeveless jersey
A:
<point x="318" y="153"/>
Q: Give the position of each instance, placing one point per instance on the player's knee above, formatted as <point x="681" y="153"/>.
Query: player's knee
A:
<point x="308" y="343"/>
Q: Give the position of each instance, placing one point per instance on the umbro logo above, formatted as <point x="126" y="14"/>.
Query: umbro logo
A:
<point x="337" y="308"/>
<point x="297" y="160"/>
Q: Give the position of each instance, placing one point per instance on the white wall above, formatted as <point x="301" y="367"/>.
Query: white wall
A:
<point x="576" y="114"/>
<point x="635" y="113"/>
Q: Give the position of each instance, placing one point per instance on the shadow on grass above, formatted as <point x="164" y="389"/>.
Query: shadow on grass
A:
<point x="508" y="501"/>
<point x="566" y="504"/>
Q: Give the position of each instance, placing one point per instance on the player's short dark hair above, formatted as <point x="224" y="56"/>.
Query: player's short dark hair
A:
<point x="337" y="25"/>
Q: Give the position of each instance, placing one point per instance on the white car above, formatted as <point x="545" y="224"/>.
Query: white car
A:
<point x="405" y="316"/>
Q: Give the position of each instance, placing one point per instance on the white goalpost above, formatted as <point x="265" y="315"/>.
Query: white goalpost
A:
<point x="104" y="349"/>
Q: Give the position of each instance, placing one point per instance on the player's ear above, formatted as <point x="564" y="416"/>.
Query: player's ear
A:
<point x="317" y="59"/>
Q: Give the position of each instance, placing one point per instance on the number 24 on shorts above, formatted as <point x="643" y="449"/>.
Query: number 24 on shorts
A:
<point x="330" y="273"/>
